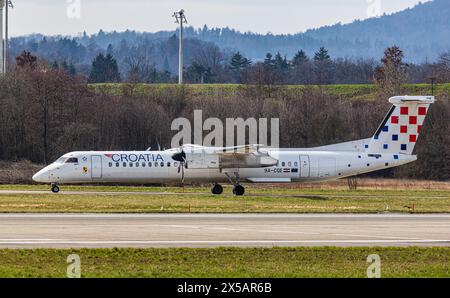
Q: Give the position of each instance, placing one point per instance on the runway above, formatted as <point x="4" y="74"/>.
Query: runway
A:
<point x="189" y="194"/>
<point x="218" y="230"/>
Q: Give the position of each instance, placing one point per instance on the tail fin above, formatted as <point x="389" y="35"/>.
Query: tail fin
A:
<point x="402" y="126"/>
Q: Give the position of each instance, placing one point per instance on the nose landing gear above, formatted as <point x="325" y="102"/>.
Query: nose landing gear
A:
<point x="55" y="188"/>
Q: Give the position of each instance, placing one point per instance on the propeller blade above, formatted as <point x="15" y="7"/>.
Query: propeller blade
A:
<point x="182" y="175"/>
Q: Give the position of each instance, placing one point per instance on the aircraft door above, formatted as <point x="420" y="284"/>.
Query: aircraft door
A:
<point x="304" y="166"/>
<point x="96" y="167"/>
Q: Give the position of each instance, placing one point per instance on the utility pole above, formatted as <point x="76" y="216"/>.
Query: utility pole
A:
<point x="180" y="19"/>
<point x="433" y="80"/>
<point x="5" y="64"/>
<point x="4" y="5"/>
<point x="2" y="44"/>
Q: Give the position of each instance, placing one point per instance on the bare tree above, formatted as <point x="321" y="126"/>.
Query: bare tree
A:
<point x="392" y="73"/>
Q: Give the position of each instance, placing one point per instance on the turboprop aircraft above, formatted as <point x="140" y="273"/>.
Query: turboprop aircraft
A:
<point x="392" y="145"/>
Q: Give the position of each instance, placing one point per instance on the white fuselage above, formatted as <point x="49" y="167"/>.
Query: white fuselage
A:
<point x="147" y="167"/>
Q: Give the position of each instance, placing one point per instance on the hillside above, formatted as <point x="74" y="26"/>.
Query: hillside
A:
<point x="421" y="31"/>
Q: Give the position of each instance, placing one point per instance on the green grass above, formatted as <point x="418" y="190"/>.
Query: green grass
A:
<point x="199" y="200"/>
<point x="353" y="91"/>
<point x="228" y="262"/>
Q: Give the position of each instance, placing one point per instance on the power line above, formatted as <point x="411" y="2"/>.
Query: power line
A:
<point x="180" y="18"/>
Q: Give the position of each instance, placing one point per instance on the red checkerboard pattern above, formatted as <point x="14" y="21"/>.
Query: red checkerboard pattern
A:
<point x="422" y="111"/>
<point x="402" y="129"/>
<point x="409" y="122"/>
<point x="394" y="119"/>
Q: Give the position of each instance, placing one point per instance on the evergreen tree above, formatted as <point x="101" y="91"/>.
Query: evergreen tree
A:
<point x="300" y="58"/>
<point x="280" y="62"/>
<point x="72" y="70"/>
<point x="55" y="65"/>
<point x="110" y="50"/>
<point x="268" y="61"/>
<point x="322" y="55"/>
<point x="280" y="68"/>
<point x="104" y="70"/>
<point x="323" y="67"/>
<point x="238" y="64"/>
<point x="65" y="66"/>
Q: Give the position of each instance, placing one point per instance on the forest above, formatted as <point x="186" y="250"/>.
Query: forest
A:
<point x="46" y="112"/>
<point x="354" y="48"/>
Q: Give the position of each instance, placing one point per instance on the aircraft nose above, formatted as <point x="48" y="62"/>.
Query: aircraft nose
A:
<point x="40" y="176"/>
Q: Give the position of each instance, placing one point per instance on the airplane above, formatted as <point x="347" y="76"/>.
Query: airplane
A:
<point x="391" y="146"/>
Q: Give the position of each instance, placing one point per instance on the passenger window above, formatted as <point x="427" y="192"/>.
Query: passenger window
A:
<point x="295" y="164"/>
<point x="289" y="164"/>
<point x="143" y="164"/>
<point x="137" y="165"/>
<point x="168" y="164"/>
<point x="131" y="164"/>
<point x="72" y="160"/>
<point x="110" y="164"/>
<point x="149" y="164"/>
<point x="162" y="165"/>
<point x="124" y="164"/>
<point x="283" y="164"/>
<point x="175" y="164"/>
<point x="117" y="164"/>
<point x="156" y="164"/>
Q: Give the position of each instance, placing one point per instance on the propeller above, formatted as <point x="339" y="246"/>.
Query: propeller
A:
<point x="181" y="158"/>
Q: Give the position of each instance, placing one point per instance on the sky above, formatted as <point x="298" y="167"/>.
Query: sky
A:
<point x="71" y="17"/>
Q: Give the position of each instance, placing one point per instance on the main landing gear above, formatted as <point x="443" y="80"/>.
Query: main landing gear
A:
<point x="217" y="189"/>
<point x="55" y="188"/>
<point x="238" y="189"/>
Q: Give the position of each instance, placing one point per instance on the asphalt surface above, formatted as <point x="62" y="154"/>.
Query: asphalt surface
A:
<point x="154" y="193"/>
<point x="214" y="230"/>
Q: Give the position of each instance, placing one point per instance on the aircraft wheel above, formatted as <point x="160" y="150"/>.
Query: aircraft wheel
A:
<point x="238" y="190"/>
<point x="55" y="188"/>
<point x="217" y="189"/>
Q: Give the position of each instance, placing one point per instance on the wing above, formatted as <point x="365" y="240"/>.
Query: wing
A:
<point x="240" y="149"/>
<point x="248" y="156"/>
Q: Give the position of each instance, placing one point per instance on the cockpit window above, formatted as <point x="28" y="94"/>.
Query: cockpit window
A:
<point x="72" y="160"/>
<point x="61" y="160"/>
